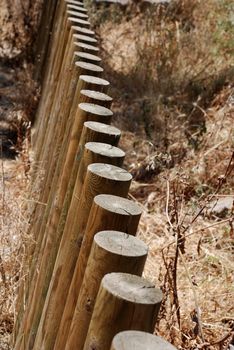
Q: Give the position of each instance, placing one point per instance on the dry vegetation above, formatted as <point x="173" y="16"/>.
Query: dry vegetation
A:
<point x="171" y="72"/>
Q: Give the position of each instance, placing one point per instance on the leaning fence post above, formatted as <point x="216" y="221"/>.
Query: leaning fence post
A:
<point x="133" y="303"/>
<point x="108" y="212"/>
<point x="137" y="340"/>
<point x="100" y="178"/>
<point x="112" y="251"/>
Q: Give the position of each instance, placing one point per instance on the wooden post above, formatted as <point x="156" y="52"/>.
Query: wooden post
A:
<point x="83" y="30"/>
<point x="75" y="2"/>
<point x="39" y="285"/>
<point x="85" y="38"/>
<point x="108" y="212"/>
<point x="84" y="112"/>
<point x="48" y="16"/>
<point x="77" y="14"/>
<point x="95" y="97"/>
<point x="77" y="8"/>
<point x="54" y="70"/>
<point x="87" y="57"/>
<point x="100" y="178"/>
<point x="75" y="124"/>
<point x="123" y="302"/>
<point x="137" y="340"/>
<point x="80" y="46"/>
<point x="112" y="251"/>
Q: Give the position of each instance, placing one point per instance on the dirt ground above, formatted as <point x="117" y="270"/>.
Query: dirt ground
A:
<point x="183" y="170"/>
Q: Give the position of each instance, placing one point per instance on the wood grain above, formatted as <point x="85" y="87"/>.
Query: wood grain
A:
<point x="133" y="304"/>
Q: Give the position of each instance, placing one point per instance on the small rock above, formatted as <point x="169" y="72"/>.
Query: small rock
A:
<point x="220" y="207"/>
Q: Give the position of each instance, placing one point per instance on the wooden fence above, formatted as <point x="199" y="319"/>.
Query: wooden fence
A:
<point x="83" y="269"/>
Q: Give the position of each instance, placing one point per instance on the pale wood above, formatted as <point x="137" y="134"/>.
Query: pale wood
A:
<point x="78" y="21"/>
<point x="77" y="8"/>
<point x="112" y="251"/>
<point x="137" y="340"/>
<point x="84" y="47"/>
<point x="53" y="55"/>
<point x="75" y="2"/>
<point x="83" y="30"/>
<point x="61" y="43"/>
<point x="54" y="72"/>
<point x="96" y="97"/>
<point x="93" y="152"/>
<point x="59" y="100"/>
<point x="108" y="212"/>
<point x="85" y="38"/>
<point x="40" y="283"/>
<point x="76" y="13"/>
<point x="72" y="122"/>
<point x="133" y="304"/>
<point x="100" y="178"/>
<point x="84" y="112"/>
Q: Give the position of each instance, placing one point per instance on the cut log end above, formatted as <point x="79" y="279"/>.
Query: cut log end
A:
<point x="76" y="7"/>
<point x="117" y="205"/>
<point x="77" y="14"/>
<point x="85" y="38"/>
<point x="94" y="80"/>
<point x="132" y="288"/>
<point x="109" y="172"/>
<point x="83" y="30"/>
<point x="121" y="243"/>
<point x="84" y="46"/>
<point x="105" y="149"/>
<point x="96" y="95"/>
<point x="136" y="340"/>
<point x="81" y="22"/>
<point x="89" y="66"/>
<point x="95" y="109"/>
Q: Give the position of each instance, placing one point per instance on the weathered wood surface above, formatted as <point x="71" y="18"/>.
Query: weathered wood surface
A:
<point x="133" y="304"/>
<point x="136" y="340"/>
<point x="112" y="251"/>
<point x="108" y="212"/>
<point x="100" y="178"/>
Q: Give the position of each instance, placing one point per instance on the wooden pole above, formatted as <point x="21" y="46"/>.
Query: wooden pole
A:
<point x="108" y="212"/>
<point x="137" y="340"/>
<point x="75" y="2"/>
<point x="84" y="112"/>
<point x="76" y="13"/>
<point x="95" y="97"/>
<point x="112" y="251"/>
<point x="54" y="71"/>
<point x="100" y="178"/>
<point x="77" y="8"/>
<point x="92" y="131"/>
<point x="92" y="152"/>
<point x="123" y="302"/>
<point x="48" y="16"/>
<point x="81" y="46"/>
<point x="83" y="30"/>
<point x="85" y="38"/>
<point x="87" y="57"/>
<point x="75" y="123"/>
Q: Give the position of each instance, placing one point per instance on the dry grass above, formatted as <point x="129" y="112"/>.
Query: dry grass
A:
<point x="177" y="73"/>
<point x="13" y="226"/>
<point x="171" y="73"/>
<point x="171" y="201"/>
